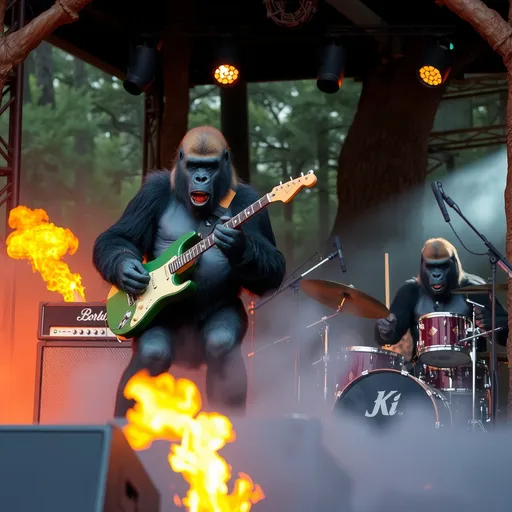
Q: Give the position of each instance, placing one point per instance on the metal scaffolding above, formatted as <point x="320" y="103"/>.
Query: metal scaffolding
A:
<point x="477" y="85"/>
<point x="12" y="106"/>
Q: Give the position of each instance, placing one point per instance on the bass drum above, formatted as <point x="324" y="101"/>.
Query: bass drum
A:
<point x="384" y="397"/>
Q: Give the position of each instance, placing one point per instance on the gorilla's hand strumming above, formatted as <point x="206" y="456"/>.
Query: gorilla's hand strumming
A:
<point x="131" y="276"/>
<point x="231" y="242"/>
<point x="387" y="326"/>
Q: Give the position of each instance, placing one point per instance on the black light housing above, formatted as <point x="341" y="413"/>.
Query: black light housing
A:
<point x="142" y="70"/>
<point x="332" y="69"/>
<point x="226" y="65"/>
<point x="434" y="67"/>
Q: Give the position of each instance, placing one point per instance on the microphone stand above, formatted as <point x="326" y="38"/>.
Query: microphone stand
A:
<point x="293" y="283"/>
<point x="495" y="259"/>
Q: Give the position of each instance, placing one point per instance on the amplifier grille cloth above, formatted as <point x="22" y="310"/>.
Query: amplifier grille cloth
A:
<point x="79" y="384"/>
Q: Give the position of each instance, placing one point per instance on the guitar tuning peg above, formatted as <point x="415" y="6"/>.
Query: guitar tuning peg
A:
<point x="302" y="174"/>
<point x="280" y="183"/>
<point x="291" y="178"/>
<point x="311" y="171"/>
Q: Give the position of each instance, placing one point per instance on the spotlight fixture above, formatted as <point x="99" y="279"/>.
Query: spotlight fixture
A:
<point x="226" y="71"/>
<point x="142" y="69"/>
<point x="435" y="65"/>
<point x="332" y="69"/>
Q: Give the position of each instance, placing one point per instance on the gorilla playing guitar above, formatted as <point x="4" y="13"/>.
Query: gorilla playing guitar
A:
<point x="199" y="194"/>
<point x="440" y="273"/>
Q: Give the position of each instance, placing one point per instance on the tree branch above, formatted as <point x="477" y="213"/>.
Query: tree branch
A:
<point x="119" y="125"/>
<point x="487" y="22"/>
<point x="15" y="47"/>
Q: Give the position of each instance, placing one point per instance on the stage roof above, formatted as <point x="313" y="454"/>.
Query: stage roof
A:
<point x="107" y="29"/>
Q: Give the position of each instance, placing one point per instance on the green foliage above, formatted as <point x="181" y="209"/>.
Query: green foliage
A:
<point x="293" y="128"/>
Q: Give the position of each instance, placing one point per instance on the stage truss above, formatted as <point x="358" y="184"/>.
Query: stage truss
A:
<point x="445" y="145"/>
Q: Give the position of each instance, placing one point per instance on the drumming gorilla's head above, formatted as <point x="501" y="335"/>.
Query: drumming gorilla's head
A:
<point x="441" y="271"/>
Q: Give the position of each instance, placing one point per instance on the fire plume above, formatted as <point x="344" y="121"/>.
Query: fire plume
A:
<point x="169" y="409"/>
<point x="44" y="245"/>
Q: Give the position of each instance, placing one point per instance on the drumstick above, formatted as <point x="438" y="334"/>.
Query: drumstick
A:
<point x="386" y="277"/>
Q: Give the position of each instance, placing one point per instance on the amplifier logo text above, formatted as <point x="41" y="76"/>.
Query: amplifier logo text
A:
<point x="86" y="315"/>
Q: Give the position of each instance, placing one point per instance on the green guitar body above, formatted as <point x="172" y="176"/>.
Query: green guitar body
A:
<point x="130" y="316"/>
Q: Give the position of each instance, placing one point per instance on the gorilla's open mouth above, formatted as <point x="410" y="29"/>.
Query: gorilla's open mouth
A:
<point x="199" y="198"/>
<point x="438" y="287"/>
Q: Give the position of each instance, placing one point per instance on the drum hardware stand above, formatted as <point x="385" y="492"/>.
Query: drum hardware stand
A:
<point x="495" y="259"/>
<point x="294" y="283"/>
<point x="324" y="334"/>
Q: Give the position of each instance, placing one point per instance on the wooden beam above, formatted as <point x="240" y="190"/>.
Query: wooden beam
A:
<point x="86" y="57"/>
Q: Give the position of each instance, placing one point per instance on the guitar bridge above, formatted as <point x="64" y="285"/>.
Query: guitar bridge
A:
<point x="131" y="300"/>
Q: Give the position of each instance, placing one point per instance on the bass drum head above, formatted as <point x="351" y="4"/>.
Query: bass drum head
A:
<point x="385" y="397"/>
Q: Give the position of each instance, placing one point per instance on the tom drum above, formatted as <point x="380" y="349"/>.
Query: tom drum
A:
<point x="439" y="342"/>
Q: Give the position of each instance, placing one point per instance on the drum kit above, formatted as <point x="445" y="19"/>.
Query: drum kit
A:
<point x="445" y="379"/>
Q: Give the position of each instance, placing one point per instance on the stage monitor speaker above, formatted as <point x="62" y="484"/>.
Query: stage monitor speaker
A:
<point x="72" y="469"/>
<point x="76" y="381"/>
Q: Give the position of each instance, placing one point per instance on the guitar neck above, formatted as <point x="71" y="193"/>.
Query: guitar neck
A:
<point x="208" y="242"/>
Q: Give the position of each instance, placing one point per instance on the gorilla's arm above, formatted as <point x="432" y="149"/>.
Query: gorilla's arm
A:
<point x="402" y="307"/>
<point x="132" y="235"/>
<point x="485" y="315"/>
<point x="262" y="267"/>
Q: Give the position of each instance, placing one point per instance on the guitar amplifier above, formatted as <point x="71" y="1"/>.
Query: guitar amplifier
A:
<point x="74" y="320"/>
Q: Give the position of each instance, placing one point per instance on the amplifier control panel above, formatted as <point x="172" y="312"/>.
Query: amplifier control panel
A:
<point x="74" y="332"/>
<point x="74" y="320"/>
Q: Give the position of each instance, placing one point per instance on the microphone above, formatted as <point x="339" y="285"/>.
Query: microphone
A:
<point x="337" y="245"/>
<point x="439" y="198"/>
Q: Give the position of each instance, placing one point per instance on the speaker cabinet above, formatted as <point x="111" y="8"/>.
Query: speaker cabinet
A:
<point x="76" y="381"/>
<point x="76" y="468"/>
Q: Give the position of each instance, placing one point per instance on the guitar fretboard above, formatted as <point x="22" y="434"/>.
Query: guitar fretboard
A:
<point x="192" y="253"/>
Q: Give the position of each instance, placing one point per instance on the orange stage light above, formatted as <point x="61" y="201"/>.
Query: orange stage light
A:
<point x="431" y="76"/>
<point x="226" y="74"/>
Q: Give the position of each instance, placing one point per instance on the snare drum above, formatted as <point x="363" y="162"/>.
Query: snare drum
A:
<point x="358" y="360"/>
<point x="439" y="335"/>
<point x="384" y="397"/>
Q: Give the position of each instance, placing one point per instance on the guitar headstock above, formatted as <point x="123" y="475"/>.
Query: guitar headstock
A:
<point x="285" y="192"/>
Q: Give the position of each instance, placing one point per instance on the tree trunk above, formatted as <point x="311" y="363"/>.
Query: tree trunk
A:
<point x="385" y="152"/>
<point x="44" y="74"/>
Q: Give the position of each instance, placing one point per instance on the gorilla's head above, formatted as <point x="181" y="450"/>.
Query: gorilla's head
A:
<point x="440" y="271"/>
<point x="203" y="174"/>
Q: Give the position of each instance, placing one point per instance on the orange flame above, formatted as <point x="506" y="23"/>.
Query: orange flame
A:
<point x="167" y="408"/>
<point x="44" y="244"/>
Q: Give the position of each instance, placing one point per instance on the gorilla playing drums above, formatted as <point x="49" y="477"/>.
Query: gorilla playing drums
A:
<point x="431" y="291"/>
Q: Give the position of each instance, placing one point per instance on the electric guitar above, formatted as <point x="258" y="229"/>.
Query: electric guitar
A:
<point x="128" y="315"/>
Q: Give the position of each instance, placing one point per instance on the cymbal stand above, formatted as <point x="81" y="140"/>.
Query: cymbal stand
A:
<point x="294" y="283"/>
<point x="474" y="422"/>
<point x="324" y="334"/>
<point x="496" y="259"/>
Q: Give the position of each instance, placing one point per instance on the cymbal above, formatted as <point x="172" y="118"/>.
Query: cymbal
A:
<point x="330" y="294"/>
<point x="479" y="288"/>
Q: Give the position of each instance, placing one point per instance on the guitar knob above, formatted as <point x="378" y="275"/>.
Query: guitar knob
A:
<point x="140" y="305"/>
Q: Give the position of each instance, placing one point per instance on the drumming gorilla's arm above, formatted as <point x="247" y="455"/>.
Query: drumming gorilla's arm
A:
<point x="483" y="316"/>
<point x="389" y="331"/>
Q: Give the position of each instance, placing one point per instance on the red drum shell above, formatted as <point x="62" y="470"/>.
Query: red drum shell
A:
<point x="439" y="335"/>
<point x="357" y="360"/>
<point x="458" y="379"/>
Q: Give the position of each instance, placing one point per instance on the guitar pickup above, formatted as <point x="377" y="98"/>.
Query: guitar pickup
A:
<point x="153" y="283"/>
